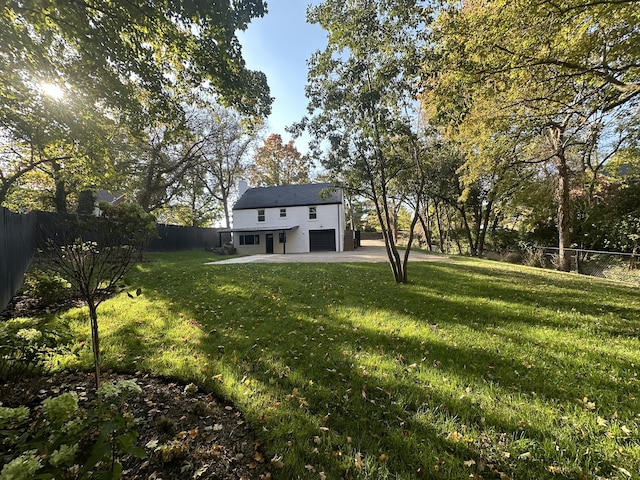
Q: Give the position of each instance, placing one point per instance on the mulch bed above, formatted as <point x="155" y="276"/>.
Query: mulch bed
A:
<point x="213" y="439"/>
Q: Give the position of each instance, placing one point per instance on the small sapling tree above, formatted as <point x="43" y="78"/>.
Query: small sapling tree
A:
<point x="95" y="253"/>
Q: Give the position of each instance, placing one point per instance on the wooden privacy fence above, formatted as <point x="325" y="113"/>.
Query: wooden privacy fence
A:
<point x="176" y="237"/>
<point x="20" y="234"/>
<point x="17" y="240"/>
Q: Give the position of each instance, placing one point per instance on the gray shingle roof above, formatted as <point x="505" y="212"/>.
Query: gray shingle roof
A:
<point x="289" y="196"/>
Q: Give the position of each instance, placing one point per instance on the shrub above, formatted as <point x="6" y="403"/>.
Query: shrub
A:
<point x="27" y="344"/>
<point x="46" y="286"/>
<point x="514" y="257"/>
<point x="534" y="257"/>
<point x="67" y="441"/>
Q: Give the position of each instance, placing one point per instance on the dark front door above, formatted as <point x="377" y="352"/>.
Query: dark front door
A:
<point x="269" y="243"/>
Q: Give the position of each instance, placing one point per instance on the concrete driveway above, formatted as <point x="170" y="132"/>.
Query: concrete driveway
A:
<point x="370" y="251"/>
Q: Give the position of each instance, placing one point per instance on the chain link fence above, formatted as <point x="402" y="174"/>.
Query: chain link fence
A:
<point x="624" y="267"/>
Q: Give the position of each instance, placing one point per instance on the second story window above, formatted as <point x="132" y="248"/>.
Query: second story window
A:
<point x="283" y="212"/>
<point x="312" y="213"/>
<point x="261" y="215"/>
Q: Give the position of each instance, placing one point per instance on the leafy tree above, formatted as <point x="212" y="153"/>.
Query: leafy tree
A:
<point x="492" y="86"/>
<point x="189" y="169"/>
<point x="279" y="164"/>
<point x="120" y="62"/>
<point x="230" y="142"/>
<point x="362" y="96"/>
<point x="157" y="168"/>
<point x="193" y="205"/>
<point x="115" y="49"/>
<point x="47" y="136"/>
<point x="608" y="213"/>
<point x="86" y="203"/>
<point x="95" y="253"/>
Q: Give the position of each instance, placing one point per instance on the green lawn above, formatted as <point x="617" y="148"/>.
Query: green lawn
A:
<point x="473" y="368"/>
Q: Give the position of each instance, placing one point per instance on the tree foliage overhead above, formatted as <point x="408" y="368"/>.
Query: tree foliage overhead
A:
<point x="116" y="50"/>
<point x="78" y="76"/>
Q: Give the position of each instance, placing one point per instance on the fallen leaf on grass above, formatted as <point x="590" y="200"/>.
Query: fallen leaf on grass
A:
<point x="625" y="471"/>
<point x="358" y="460"/>
<point x="469" y="463"/>
<point x="276" y="461"/>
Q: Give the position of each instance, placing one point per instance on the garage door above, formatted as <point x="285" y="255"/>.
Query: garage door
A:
<point x="322" y="240"/>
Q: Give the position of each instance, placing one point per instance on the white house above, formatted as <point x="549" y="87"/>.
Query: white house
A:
<point x="289" y="219"/>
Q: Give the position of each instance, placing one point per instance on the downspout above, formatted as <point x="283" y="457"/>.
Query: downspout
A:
<point x="340" y="229"/>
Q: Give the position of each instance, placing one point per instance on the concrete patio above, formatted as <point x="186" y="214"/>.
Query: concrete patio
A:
<point x="371" y="251"/>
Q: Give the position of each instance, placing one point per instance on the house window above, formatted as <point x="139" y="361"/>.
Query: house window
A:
<point x="249" y="239"/>
<point x="261" y="215"/>
<point x="283" y="212"/>
<point x="312" y="213"/>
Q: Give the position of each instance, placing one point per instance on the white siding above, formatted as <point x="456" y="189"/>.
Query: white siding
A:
<point x="327" y="217"/>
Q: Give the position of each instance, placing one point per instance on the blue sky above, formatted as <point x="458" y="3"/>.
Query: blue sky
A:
<point x="279" y="44"/>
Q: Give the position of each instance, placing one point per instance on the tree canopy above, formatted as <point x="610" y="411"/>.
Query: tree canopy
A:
<point x="83" y="80"/>
<point x="538" y="83"/>
<point x="132" y="56"/>
<point x="277" y="163"/>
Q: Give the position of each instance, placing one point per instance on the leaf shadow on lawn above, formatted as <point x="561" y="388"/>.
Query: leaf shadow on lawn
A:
<point x="331" y="361"/>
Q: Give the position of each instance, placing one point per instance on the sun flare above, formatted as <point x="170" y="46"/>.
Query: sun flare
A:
<point x="51" y="90"/>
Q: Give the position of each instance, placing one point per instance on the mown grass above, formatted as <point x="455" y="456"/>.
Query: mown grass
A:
<point x="473" y="368"/>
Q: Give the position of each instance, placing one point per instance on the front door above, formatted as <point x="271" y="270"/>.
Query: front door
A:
<point x="269" y="243"/>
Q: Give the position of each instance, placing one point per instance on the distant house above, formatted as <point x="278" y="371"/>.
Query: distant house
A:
<point x="103" y="196"/>
<point x="289" y="219"/>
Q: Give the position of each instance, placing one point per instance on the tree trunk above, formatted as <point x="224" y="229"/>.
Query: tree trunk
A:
<point x="482" y="234"/>
<point x="405" y="262"/>
<point x="390" y="245"/>
<point x="95" y="341"/>
<point x="564" y="218"/>
<point x="60" y="196"/>
<point x="426" y="228"/>
<point x="472" y="247"/>
<point x="556" y="138"/>
<point x="384" y="217"/>
<point x="225" y="206"/>
<point x="439" y="222"/>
